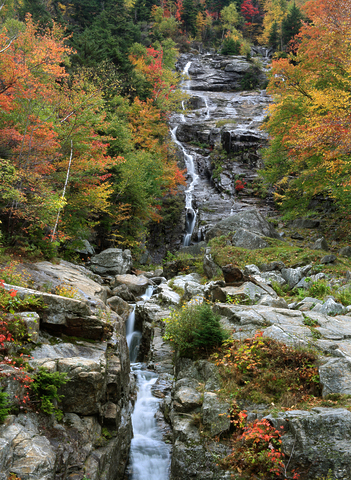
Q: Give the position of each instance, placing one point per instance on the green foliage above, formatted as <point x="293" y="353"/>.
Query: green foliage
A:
<point x="274" y="36"/>
<point x="257" y="452"/>
<point x="344" y="296"/>
<point x="318" y="289"/>
<point x="10" y="273"/>
<point x="292" y="23"/>
<point x="310" y="322"/>
<point x="4" y="406"/>
<point x="250" y="79"/>
<point x="45" y="387"/>
<point x="194" y="328"/>
<point x="231" y="47"/>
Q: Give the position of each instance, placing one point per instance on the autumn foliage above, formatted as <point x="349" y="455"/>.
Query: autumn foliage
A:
<point x="56" y="129"/>
<point x="310" y="122"/>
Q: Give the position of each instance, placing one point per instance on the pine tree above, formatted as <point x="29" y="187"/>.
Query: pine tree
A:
<point x="291" y="24"/>
<point x="274" y="36"/>
<point x="189" y="16"/>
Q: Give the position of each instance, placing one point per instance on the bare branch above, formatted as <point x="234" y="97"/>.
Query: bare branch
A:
<point x="9" y="45"/>
<point x="64" y="192"/>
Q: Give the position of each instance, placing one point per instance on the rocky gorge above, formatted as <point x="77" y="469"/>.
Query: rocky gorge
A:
<point x="166" y="415"/>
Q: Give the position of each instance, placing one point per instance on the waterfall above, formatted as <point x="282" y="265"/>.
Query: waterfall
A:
<point x="190" y="212"/>
<point x="133" y="336"/>
<point x="190" y="166"/>
<point x="149" y="454"/>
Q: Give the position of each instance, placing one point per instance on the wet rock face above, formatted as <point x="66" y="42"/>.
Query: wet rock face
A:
<point x="218" y="73"/>
<point x="249" y="220"/>
<point x="193" y="457"/>
<point x="221" y="131"/>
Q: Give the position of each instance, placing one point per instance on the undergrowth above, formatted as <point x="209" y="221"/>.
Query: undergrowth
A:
<point x="256" y="451"/>
<point x="45" y="386"/>
<point x="263" y="370"/>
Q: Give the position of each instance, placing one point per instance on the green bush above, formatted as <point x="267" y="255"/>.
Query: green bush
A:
<point x="250" y="79"/>
<point x="194" y="328"/>
<point x="344" y="296"/>
<point x="4" y="406"/>
<point x="230" y="47"/>
<point x="45" y="387"/>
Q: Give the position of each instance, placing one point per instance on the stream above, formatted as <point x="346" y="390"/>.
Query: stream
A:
<point x="149" y="454"/>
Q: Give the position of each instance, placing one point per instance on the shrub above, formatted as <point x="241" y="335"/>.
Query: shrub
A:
<point x="239" y="185"/>
<point x="4" y="406"/>
<point x="344" y="296"/>
<point x="257" y="452"/>
<point x="263" y="370"/>
<point x="319" y="289"/>
<point x="12" y="303"/>
<point x="194" y="328"/>
<point x="230" y="47"/>
<point x="10" y="274"/>
<point x="250" y="79"/>
<point x="45" y="386"/>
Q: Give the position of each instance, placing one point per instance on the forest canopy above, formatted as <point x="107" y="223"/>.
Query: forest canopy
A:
<point x="86" y="90"/>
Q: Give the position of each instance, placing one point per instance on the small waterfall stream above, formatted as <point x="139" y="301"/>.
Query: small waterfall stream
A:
<point x="190" y="166"/>
<point x="149" y="454"/>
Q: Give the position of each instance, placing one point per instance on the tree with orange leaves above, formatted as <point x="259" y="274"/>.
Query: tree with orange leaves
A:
<point x="310" y="121"/>
<point x="45" y="120"/>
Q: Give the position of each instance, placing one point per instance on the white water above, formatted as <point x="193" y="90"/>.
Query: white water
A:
<point x="133" y="336"/>
<point x="149" y="455"/>
<point x="190" y="166"/>
<point x="190" y="212"/>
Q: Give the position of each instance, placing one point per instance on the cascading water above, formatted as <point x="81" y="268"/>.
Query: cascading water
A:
<point x="190" y="166"/>
<point x="149" y="454"/>
<point x="134" y="336"/>
<point x="190" y="212"/>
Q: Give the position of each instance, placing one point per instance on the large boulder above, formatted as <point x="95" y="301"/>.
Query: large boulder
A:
<point x="330" y="307"/>
<point x="86" y="284"/>
<point x="335" y="376"/>
<point x="317" y="441"/>
<point x="305" y="223"/>
<point x="24" y="451"/>
<point x="345" y="251"/>
<point x="250" y="220"/>
<point x="113" y="261"/>
<point x="211" y="269"/>
<point x="293" y="275"/>
<point x="320" y="244"/>
<point x="68" y="316"/>
<point x="245" y="239"/>
<point x="186" y="397"/>
<point x="166" y="295"/>
<point x="120" y="306"/>
<point x="136" y="284"/>
<point x="215" y="414"/>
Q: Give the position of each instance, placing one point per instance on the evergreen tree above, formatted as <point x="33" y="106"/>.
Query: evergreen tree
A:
<point x="231" y="47"/>
<point x="274" y="36"/>
<point x="189" y="15"/>
<point x="142" y="10"/>
<point x="107" y="39"/>
<point x="291" y="24"/>
<point x="37" y="9"/>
